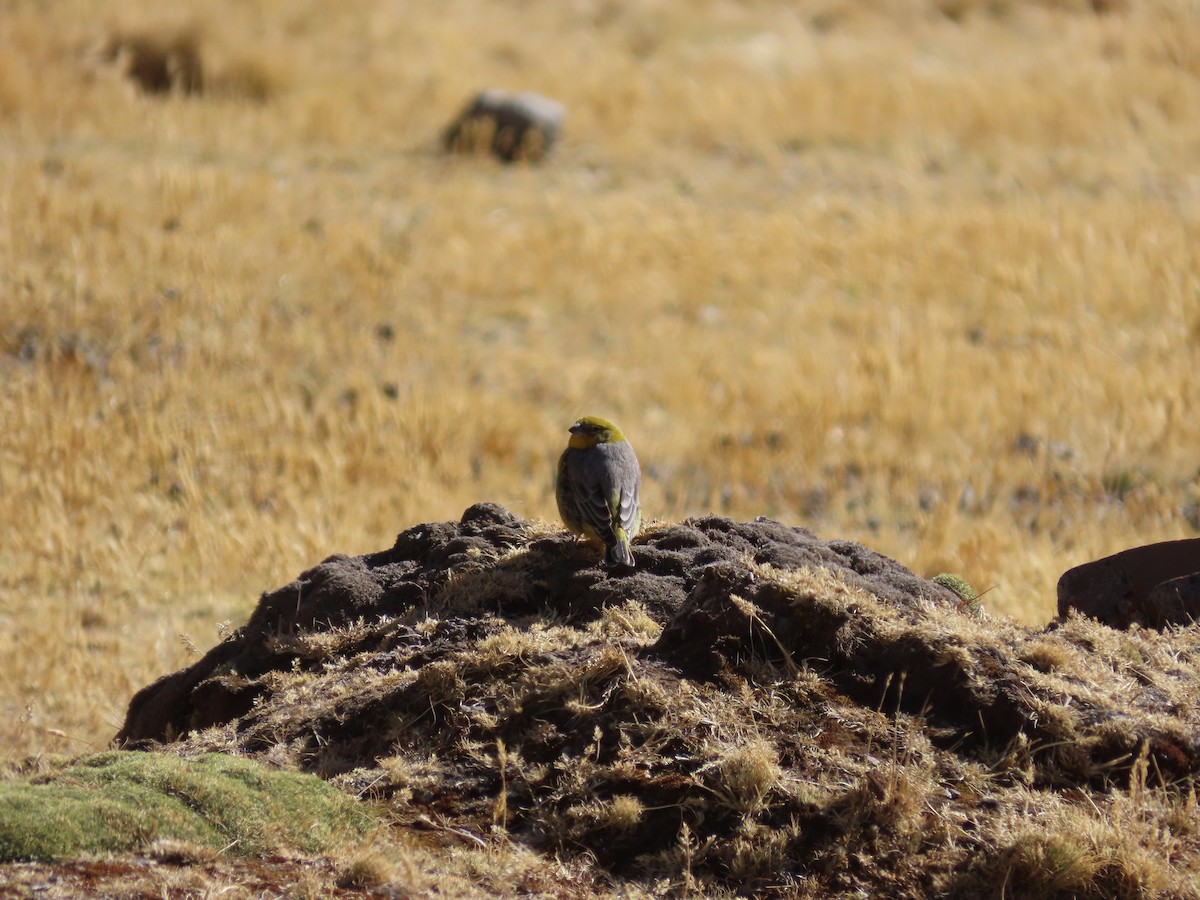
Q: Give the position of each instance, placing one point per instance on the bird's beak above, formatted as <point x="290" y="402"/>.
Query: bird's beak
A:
<point x="576" y="428"/>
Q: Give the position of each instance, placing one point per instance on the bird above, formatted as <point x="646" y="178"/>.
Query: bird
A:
<point x="597" y="489"/>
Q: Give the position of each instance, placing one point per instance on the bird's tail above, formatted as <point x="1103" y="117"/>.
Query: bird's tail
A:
<point x="619" y="553"/>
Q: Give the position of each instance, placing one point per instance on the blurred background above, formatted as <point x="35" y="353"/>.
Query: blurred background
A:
<point x="919" y="274"/>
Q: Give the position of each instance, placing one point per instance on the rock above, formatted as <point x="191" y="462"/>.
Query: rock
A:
<point x="1175" y="601"/>
<point x="159" y="63"/>
<point x="514" y="127"/>
<point x="1124" y="589"/>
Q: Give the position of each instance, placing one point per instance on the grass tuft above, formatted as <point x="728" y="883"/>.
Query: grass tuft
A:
<point x="120" y="801"/>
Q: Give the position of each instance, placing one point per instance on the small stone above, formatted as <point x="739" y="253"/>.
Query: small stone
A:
<point x="1122" y="589"/>
<point x="512" y="126"/>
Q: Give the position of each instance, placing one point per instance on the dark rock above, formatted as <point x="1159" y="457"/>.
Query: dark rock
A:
<point x="512" y="126"/>
<point x="1122" y="589"/>
<point x="1175" y="601"/>
<point x="158" y="63"/>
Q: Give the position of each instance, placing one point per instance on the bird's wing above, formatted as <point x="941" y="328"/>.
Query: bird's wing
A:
<point x="597" y="506"/>
<point x="630" y="509"/>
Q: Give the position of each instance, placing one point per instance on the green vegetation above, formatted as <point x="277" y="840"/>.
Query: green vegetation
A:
<point x="969" y="598"/>
<point x="120" y="801"/>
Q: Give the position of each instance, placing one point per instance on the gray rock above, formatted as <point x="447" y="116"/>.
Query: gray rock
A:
<point x="512" y="126"/>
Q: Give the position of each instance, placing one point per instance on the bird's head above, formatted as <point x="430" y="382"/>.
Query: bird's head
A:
<point x="592" y="430"/>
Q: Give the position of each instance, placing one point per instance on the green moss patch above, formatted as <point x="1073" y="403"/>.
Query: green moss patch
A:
<point x="123" y="800"/>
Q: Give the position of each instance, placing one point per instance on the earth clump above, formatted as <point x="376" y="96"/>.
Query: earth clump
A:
<point x="752" y="709"/>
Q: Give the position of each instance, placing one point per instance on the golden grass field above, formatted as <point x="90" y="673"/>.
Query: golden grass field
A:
<point x="921" y="274"/>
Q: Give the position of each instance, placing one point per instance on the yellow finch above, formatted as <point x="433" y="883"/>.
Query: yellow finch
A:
<point x="597" y="489"/>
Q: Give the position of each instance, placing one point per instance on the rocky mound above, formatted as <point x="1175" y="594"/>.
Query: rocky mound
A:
<point x="752" y="709"/>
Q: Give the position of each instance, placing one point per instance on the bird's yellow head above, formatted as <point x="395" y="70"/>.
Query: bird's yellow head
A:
<point x="592" y="430"/>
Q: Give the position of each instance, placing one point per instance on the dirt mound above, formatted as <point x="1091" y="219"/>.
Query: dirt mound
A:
<point x="751" y="709"/>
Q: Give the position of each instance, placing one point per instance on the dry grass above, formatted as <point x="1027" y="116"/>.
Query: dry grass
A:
<point x="922" y="275"/>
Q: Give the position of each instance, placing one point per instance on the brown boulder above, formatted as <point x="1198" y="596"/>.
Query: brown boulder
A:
<point x="158" y="62"/>
<point x="1124" y="589"/>
<point x="1175" y="601"/>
